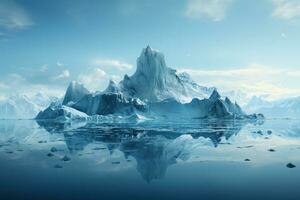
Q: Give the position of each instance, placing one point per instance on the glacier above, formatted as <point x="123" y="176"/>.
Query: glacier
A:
<point x="153" y="91"/>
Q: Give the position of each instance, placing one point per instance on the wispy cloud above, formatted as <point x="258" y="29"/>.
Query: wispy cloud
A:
<point x="254" y="79"/>
<point x="211" y="9"/>
<point x="2" y="85"/>
<point x="95" y="79"/>
<point x="60" y="64"/>
<point x="44" y="68"/>
<point x="16" y="77"/>
<point x="286" y="9"/>
<point x="64" y="74"/>
<point x="13" y="16"/>
<point x="283" y="35"/>
<point x="16" y="83"/>
<point x="111" y="63"/>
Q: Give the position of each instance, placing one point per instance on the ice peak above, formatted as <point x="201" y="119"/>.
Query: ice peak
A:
<point x="74" y="92"/>
<point x="214" y="96"/>
<point x="112" y="82"/>
<point x="148" y="50"/>
<point x="227" y="100"/>
<point x="75" y="84"/>
<point x="151" y="63"/>
<point x="112" y="87"/>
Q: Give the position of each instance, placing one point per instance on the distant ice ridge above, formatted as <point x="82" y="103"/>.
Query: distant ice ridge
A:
<point x="284" y="108"/>
<point x="154" y="90"/>
<point x="21" y="106"/>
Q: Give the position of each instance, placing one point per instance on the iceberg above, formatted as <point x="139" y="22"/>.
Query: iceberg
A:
<point x="59" y="112"/>
<point x="153" y="91"/>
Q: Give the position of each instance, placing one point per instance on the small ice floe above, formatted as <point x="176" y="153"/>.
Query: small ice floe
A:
<point x="66" y="158"/>
<point x="50" y="154"/>
<point x="99" y="148"/>
<point x="245" y="147"/>
<point x="290" y="165"/>
<point x="259" y="132"/>
<point x="53" y="149"/>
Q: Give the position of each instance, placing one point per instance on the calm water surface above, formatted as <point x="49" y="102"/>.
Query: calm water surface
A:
<point x="150" y="160"/>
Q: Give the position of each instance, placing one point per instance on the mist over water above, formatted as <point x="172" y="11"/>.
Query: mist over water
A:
<point x="179" y="159"/>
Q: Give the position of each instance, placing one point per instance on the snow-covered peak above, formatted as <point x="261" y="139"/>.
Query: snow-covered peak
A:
<point x="74" y="92"/>
<point x="154" y="81"/>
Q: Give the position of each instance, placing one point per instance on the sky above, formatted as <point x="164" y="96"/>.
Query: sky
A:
<point x="248" y="46"/>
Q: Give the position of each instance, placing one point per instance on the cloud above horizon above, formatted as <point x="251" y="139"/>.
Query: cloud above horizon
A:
<point x="13" y="16"/>
<point x="97" y="79"/>
<point x="64" y="74"/>
<point x="215" y="10"/>
<point x="254" y="79"/>
<point x="112" y="63"/>
<point x="38" y="53"/>
<point x="286" y="9"/>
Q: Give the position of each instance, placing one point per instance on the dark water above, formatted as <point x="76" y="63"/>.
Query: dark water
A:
<point x="150" y="160"/>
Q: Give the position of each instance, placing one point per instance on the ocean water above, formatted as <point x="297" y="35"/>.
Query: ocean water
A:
<point x="150" y="160"/>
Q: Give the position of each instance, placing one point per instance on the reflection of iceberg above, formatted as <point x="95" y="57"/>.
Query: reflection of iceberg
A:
<point x="154" y="146"/>
<point x="152" y="155"/>
<point x="54" y="126"/>
<point x="17" y="132"/>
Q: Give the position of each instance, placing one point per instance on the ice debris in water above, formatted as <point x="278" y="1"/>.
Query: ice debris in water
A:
<point x="290" y="165"/>
<point x="66" y="158"/>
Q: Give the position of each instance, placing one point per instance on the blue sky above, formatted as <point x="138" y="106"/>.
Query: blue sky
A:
<point x="244" y="45"/>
